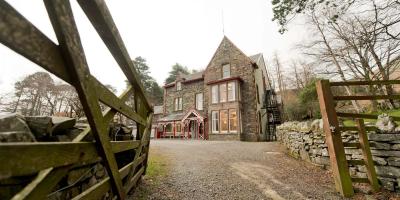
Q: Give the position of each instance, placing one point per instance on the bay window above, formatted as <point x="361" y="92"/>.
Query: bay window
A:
<point x="231" y="91"/>
<point x="224" y="121"/>
<point x="233" y="120"/>
<point x="215" y="121"/>
<point x="222" y="93"/>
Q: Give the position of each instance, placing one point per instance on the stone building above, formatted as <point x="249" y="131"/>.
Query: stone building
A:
<point x="223" y="102"/>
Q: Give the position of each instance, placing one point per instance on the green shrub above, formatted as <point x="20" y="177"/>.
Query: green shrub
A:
<point x="306" y="106"/>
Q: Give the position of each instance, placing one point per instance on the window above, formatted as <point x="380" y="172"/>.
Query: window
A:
<point x="224" y="121"/>
<point x="168" y="128"/>
<point x="215" y="121"/>
<point x="222" y="93"/>
<point x="214" y="94"/>
<point x="231" y="91"/>
<point x="178" y="86"/>
<point x="226" y="71"/>
<point x="263" y="80"/>
<point x="258" y="94"/>
<point x="199" y="101"/>
<point x="178" y="128"/>
<point x="178" y="103"/>
<point x="233" y="124"/>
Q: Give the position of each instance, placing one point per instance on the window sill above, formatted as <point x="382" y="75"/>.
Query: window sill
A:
<point x="225" y="102"/>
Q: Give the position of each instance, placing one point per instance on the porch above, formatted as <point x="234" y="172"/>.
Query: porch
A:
<point x="190" y="125"/>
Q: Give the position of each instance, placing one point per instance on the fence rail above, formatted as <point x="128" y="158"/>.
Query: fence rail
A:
<point x="52" y="160"/>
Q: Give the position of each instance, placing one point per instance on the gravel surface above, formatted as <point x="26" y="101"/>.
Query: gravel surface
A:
<point x="237" y="170"/>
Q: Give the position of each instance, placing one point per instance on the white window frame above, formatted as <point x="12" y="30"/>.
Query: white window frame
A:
<point x="223" y="95"/>
<point x="229" y="119"/>
<point x="226" y="70"/>
<point x="233" y="90"/>
<point x="215" y="121"/>
<point x="178" y="104"/>
<point x="178" y="86"/>
<point x="214" y="93"/>
<point x="220" y="121"/>
<point x="199" y="104"/>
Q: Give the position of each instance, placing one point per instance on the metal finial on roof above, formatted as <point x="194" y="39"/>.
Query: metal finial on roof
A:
<point x="223" y="24"/>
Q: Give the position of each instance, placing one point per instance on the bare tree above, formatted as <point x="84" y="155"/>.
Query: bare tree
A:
<point x="323" y="50"/>
<point x="38" y="94"/>
<point x="279" y="75"/>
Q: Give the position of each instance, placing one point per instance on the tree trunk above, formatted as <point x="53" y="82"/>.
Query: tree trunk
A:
<point x="17" y="103"/>
<point x="32" y="110"/>
<point x="336" y="63"/>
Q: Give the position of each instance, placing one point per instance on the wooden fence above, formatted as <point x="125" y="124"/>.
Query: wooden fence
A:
<point x="52" y="160"/>
<point x="333" y="130"/>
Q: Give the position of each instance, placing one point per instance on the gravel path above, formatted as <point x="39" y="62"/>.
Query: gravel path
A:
<point x="237" y="170"/>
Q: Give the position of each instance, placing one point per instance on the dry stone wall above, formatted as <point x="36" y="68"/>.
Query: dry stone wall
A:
<point x="306" y="141"/>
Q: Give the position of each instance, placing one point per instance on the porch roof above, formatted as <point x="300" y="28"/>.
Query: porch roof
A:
<point x="181" y="116"/>
<point x="172" y="117"/>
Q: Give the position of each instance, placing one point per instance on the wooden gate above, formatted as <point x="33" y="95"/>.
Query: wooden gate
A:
<point x="53" y="160"/>
<point x="333" y="131"/>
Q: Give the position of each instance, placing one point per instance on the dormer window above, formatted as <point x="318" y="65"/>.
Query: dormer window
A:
<point x="178" y="86"/>
<point x="226" y="71"/>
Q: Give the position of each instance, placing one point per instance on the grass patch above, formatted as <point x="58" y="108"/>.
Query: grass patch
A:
<point x="156" y="169"/>
<point x="394" y="112"/>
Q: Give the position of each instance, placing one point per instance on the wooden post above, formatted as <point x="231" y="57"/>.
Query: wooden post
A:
<point x="163" y="134"/>
<point x="334" y="140"/>
<point x="174" y="129"/>
<point x="198" y="129"/>
<point x="369" y="163"/>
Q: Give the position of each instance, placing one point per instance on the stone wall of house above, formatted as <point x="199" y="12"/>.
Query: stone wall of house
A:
<point x="241" y="65"/>
<point x="17" y="128"/>
<point x="223" y="137"/>
<point x="260" y="74"/>
<point x="306" y="141"/>
<point x="188" y="94"/>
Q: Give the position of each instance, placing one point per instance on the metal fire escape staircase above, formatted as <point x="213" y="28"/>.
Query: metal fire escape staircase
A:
<point x="273" y="112"/>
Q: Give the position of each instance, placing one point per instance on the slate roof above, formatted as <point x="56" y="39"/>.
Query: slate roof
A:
<point x="193" y="76"/>
<point x="172" y="117"/>
<point x="256" y="58"/>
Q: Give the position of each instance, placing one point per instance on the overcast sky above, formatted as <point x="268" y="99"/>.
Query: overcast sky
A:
<point x="163" y="32"/>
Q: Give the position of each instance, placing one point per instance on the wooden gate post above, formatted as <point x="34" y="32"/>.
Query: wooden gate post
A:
<point x="366" y="151"/>
<point x="334" y="139"/>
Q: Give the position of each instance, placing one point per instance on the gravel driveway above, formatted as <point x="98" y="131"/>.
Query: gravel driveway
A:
<point x="237" y="170"/>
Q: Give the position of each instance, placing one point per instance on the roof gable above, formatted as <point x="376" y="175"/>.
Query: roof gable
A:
<point x="221" y="47"/>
